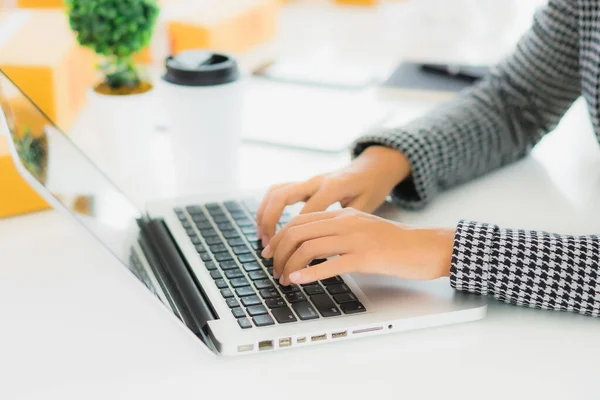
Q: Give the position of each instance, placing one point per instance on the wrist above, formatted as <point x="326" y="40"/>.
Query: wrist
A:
<point x="443" y="245"/>
<point x="390" y="163"/>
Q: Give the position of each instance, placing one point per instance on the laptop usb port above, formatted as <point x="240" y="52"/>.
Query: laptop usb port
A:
<point x="318" y="337"/>
<point x="285" y="342"/>
<point x="265" y="345"/>
<point x="339" y="335"/>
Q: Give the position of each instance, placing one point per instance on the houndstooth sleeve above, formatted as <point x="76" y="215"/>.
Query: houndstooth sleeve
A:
<point x="499" y="120"/>
<point x="534" y="269"/>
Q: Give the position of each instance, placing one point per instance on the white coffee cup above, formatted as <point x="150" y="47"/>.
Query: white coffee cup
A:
<point x="202" y="95"/>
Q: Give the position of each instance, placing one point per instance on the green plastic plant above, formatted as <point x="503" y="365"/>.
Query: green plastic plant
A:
<point x="115" y="30"/>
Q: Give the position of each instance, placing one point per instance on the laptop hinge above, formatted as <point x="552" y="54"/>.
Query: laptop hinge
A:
<point x="165" y="257"/>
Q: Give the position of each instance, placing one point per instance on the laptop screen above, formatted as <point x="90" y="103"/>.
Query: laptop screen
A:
<point x="56" y="168"/>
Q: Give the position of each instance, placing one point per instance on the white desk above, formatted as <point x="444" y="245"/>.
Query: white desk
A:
<point x="74" y="325"/>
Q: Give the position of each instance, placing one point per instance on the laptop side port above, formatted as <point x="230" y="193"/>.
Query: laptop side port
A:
<point x="338" y="335"/>
<point x="265" y="345"/>
<point x="245" y="347"/>
<point x="316" y="338"/>
<point x="301" y="339"/>
<point x="285" y="342"/>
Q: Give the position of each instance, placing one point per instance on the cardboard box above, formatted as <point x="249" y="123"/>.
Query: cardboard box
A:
<point x="39" y="53"/>
<point x="228" y="26"/>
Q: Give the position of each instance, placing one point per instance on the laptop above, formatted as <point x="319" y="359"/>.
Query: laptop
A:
<point x="200" y="258"/>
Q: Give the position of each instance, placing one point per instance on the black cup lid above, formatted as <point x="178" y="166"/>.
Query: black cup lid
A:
<point x="200" y="68"/>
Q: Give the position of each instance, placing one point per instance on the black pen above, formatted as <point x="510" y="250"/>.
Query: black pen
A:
<point x="467" y="73"/>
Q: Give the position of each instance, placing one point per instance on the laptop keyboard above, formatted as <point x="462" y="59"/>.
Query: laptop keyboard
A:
<point x="224" y="235"/>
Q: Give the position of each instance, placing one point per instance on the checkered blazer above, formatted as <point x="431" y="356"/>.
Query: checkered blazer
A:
<point x="493" y="124"/>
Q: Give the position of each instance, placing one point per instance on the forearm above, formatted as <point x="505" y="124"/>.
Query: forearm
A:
<point x="500" y="119"/>
<point x="534" y="269"/>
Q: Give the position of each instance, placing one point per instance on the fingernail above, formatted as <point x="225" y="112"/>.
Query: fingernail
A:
<point x="281" y="280"/>
<point x="266" y="253"/>
<point x="276" y="274"/>
<point x="295" y="277"/>
<point x="265" y="240"/>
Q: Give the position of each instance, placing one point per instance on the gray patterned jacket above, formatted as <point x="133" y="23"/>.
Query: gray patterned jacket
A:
<point x="496" y="123"/>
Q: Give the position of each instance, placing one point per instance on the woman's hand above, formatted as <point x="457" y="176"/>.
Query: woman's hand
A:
<point x="364" y="243"/>
<point x="364" y="185"/>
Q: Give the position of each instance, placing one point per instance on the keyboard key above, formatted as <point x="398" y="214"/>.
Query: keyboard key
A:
<point x="199" y="218"/>
<point x="213" y="240"/>
<point x="337" y="289"/>
<point x="267" y="262"/>
<point x="220" y="218"/>
<point x="232" y="205"/>
<point x="256" y="275"/>
<point x="345" y="298"/>
<point x="238" y="282"/>
<point x="218" y="248"/>
<point x="313" y="289"/>
<point x="234" y="273"/>
<point x="228" y="264"/>
<point x="295" y="297"/>
<point x="208" y="232"/>
<point x="270" y="271"/>
<point x="212" y="206"/>
<point x="211" y="266"/>
<point x="275" y="303"/>
<point x="269" y="293"/>
<point x="283" y="315"/>
<point x="252" y="237"/>
<point x="246" y="258"/>
<point x="317" y="261"/>
<point x="215" y="275"/>
<point x="200" y="248"/>
<point x="256" y="246"/>
<point x="249" y="229"/>
<point x="262" y="320"/>
<point x="223" y="256"/>
<point x="240" y="250"/>
<point x="250" y="300"/>
<point x="305" y="310"/>
<point x="226" y="293"/>
<point x="289" y="289"/>
<point x="195" y="239"/>
<point x="244" y="222"/>
<point x="263" y="284"/>
<point x="205" y="257"/>
<point x="238" y="312"/>
<point x="256" y="310"/>
<point x="232" y="302"/>
<point x="245" y="291"/>
<point x="237" y="215"/>
<point x="251" y="266"/>
<point x="353" y="307"/>
<point x="332" y="280"/>
<point x="244" y="323"/>
<point x="190" y="232"/>
<point x="236" y="242"/>
<point x="201" y="225"/>
<point x="224" y="226"/>
<point x="230" y="234"/>
<point x="186" y="224"/>
<point x="325" y="305"/>
<point x="221" y="284"/>
<point x="195" y="210"/>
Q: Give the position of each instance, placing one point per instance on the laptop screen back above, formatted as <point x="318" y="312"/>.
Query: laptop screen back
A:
<point x="57" y="169"/>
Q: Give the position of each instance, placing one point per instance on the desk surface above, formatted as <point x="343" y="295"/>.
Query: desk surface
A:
<point x="76" y="325"/>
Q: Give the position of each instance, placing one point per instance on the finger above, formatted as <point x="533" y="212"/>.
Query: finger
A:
<point x="320" y="248"/>
<point x="296" y="236"/>
<point x="335" y="266"/>
<point x="263" y="204"/>
<point x="321" y="200"/>
<point x="297" y="221"/>
<point x="279" y="199"/>
<point x="360" y="203"/>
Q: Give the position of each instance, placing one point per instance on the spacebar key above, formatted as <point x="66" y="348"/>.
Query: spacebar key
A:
<point x="305" y="310"/>
<point x="325" y="305"/>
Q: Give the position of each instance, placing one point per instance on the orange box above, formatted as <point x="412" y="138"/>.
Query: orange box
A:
<point x="39" y="53"/>
<point x="228" y="26"/>
<point x="41" y="3"/>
